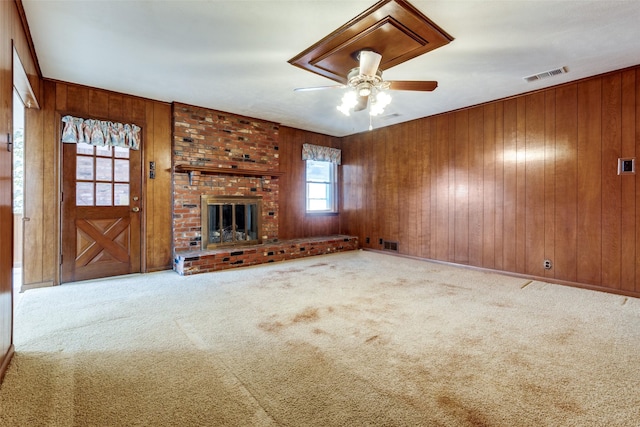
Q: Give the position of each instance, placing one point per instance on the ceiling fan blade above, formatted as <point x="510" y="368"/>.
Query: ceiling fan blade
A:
<point x="425" y="86"/>
<point x="362" y="103"/>
<point x="369" y="62"/>
<point x="308" y="89"/>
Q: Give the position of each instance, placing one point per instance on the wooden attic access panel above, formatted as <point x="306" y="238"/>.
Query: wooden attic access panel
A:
<point x="393" y="28"/>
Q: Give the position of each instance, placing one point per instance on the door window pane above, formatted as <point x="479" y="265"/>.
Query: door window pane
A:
<point x="82" y="148"/>
<point x="84" y="168"/>
<point x="121" y="170"/>
<point x="103" y="151"/>
<point x="121" y="194"/>
<point x="103" y="169"/>
<point x="103" y="194"/>
<point x="84" y="194"/>
<point x="121" y="153"/>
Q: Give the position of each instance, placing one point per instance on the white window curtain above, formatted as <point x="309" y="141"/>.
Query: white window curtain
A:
<point x="100" y="132"/>
<point x="321" y="154"/>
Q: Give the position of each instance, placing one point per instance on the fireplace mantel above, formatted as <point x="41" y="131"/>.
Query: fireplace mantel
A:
<point x="211" y="170"/>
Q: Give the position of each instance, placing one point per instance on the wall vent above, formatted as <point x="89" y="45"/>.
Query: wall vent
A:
<point x="388" y="245"/>
<point x="546" y="74"/>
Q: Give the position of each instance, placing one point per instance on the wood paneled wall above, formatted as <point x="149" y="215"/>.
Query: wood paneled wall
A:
<point x="293" y="222"/>
<point x="509" y="184"/>
<point x="44" y="183"/>
<point x="11" y="34"/>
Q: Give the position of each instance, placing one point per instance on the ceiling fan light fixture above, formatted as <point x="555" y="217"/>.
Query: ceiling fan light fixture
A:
<point x="379" y="103"/>
<point x="349" y="100"/>
<point x="364" y="89"/>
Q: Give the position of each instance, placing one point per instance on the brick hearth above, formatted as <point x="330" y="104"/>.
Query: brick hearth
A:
<point x="220" y="259"/>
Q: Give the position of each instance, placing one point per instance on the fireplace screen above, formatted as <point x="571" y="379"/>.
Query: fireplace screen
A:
<point x="228" y="221"/>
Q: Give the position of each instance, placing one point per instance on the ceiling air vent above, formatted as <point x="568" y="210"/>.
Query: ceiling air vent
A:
<point x="546" y="74"/>
<point x="390" y="116"/>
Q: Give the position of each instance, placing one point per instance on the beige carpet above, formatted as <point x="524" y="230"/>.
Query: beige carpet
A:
<point x="352" y="339"/>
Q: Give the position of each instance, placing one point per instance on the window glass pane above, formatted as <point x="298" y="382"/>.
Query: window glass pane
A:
<point x="84" y="168"/>
<point x="82" y="148"/>
<point x="319" y="171"/>
<point x="121" y="194"/>
<point x="317" y="191"/>
<point x="121" y="170"/>
<point x="103" y="194"/>
<point x="318" y="205"/>
<point x="103" y="151"/>
<point x="103" y="169"/>
<point x="84" y="194"/>
<point x="121" y="153"/>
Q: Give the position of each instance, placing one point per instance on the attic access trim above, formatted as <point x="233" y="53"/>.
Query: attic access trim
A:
<point x="393" y="28"/>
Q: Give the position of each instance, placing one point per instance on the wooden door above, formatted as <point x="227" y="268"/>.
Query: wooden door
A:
<point x="100" y="212"/>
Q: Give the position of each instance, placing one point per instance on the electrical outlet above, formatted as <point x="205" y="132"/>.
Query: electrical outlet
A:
<point x="367" y="240"/>
<point x="380" y="241"/>
<point x="547" y="264"/>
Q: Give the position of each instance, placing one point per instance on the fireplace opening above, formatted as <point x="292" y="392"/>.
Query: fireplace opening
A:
<point x="230" y="221"/>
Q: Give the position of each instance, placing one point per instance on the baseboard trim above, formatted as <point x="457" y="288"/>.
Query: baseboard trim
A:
<point x="5" y="362"/>
<point x="520" y="275"/>
<point x="26" y="287"/>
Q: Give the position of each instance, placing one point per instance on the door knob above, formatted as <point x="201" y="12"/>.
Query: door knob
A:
<point x="135" y="209"/>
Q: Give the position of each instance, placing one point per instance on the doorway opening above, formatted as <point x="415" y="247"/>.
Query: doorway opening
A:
<point x="18" y="193"/>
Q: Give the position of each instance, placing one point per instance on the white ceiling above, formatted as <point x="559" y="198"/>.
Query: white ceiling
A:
<point x="232" y="55"/>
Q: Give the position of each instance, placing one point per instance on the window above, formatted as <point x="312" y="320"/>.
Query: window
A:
<point x="321" y="187"/>
<point x="102" y="175"/>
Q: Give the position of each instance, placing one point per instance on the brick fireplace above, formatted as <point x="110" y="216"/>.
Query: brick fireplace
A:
<point x="228" y="157"/>
<point x="208" y="140"/>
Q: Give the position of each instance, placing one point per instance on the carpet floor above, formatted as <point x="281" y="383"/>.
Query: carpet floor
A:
<point x="352" y="339"/>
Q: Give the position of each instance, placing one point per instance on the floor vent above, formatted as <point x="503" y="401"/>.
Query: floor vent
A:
<point x="546" y="74"/>
<point x="390" y="246"/>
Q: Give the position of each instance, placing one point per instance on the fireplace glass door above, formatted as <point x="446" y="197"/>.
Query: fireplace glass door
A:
<point x="230" y="222"/>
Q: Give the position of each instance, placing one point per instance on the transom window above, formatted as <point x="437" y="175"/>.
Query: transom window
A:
<point x="321" y="187"/>
<point x="102" y="175"/>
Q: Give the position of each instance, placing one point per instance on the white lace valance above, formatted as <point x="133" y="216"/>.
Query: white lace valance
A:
<point x="321" y="153"/>
<point x="99" y="132"/>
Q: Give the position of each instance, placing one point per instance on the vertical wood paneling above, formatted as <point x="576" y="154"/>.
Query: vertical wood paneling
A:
<point x="512" y="183"/>
<point x="476" y="186"/>
<point x="36" y="159"/>
<point x="611" y="182"/>
<point x="424" y="140"/>
<point x="509" y="185"/>
<point x="489" y="184"/>
<point x="461" y="187"/>
<point x="534" y="212"/>
<point x="293" y="221"/>
<point x="500" y="187"/>
<point x="549" y="179"/>
<point x="637" y="139"/>
<point x="628" y="205"/>
<point x="566" y="184"/>
<point x="589" y="182"/>
<point x="521" y="182"/>
<point x="442" y="187"/>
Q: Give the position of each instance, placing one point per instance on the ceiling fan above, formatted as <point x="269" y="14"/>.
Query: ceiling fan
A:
<point x="368" y="87"/>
